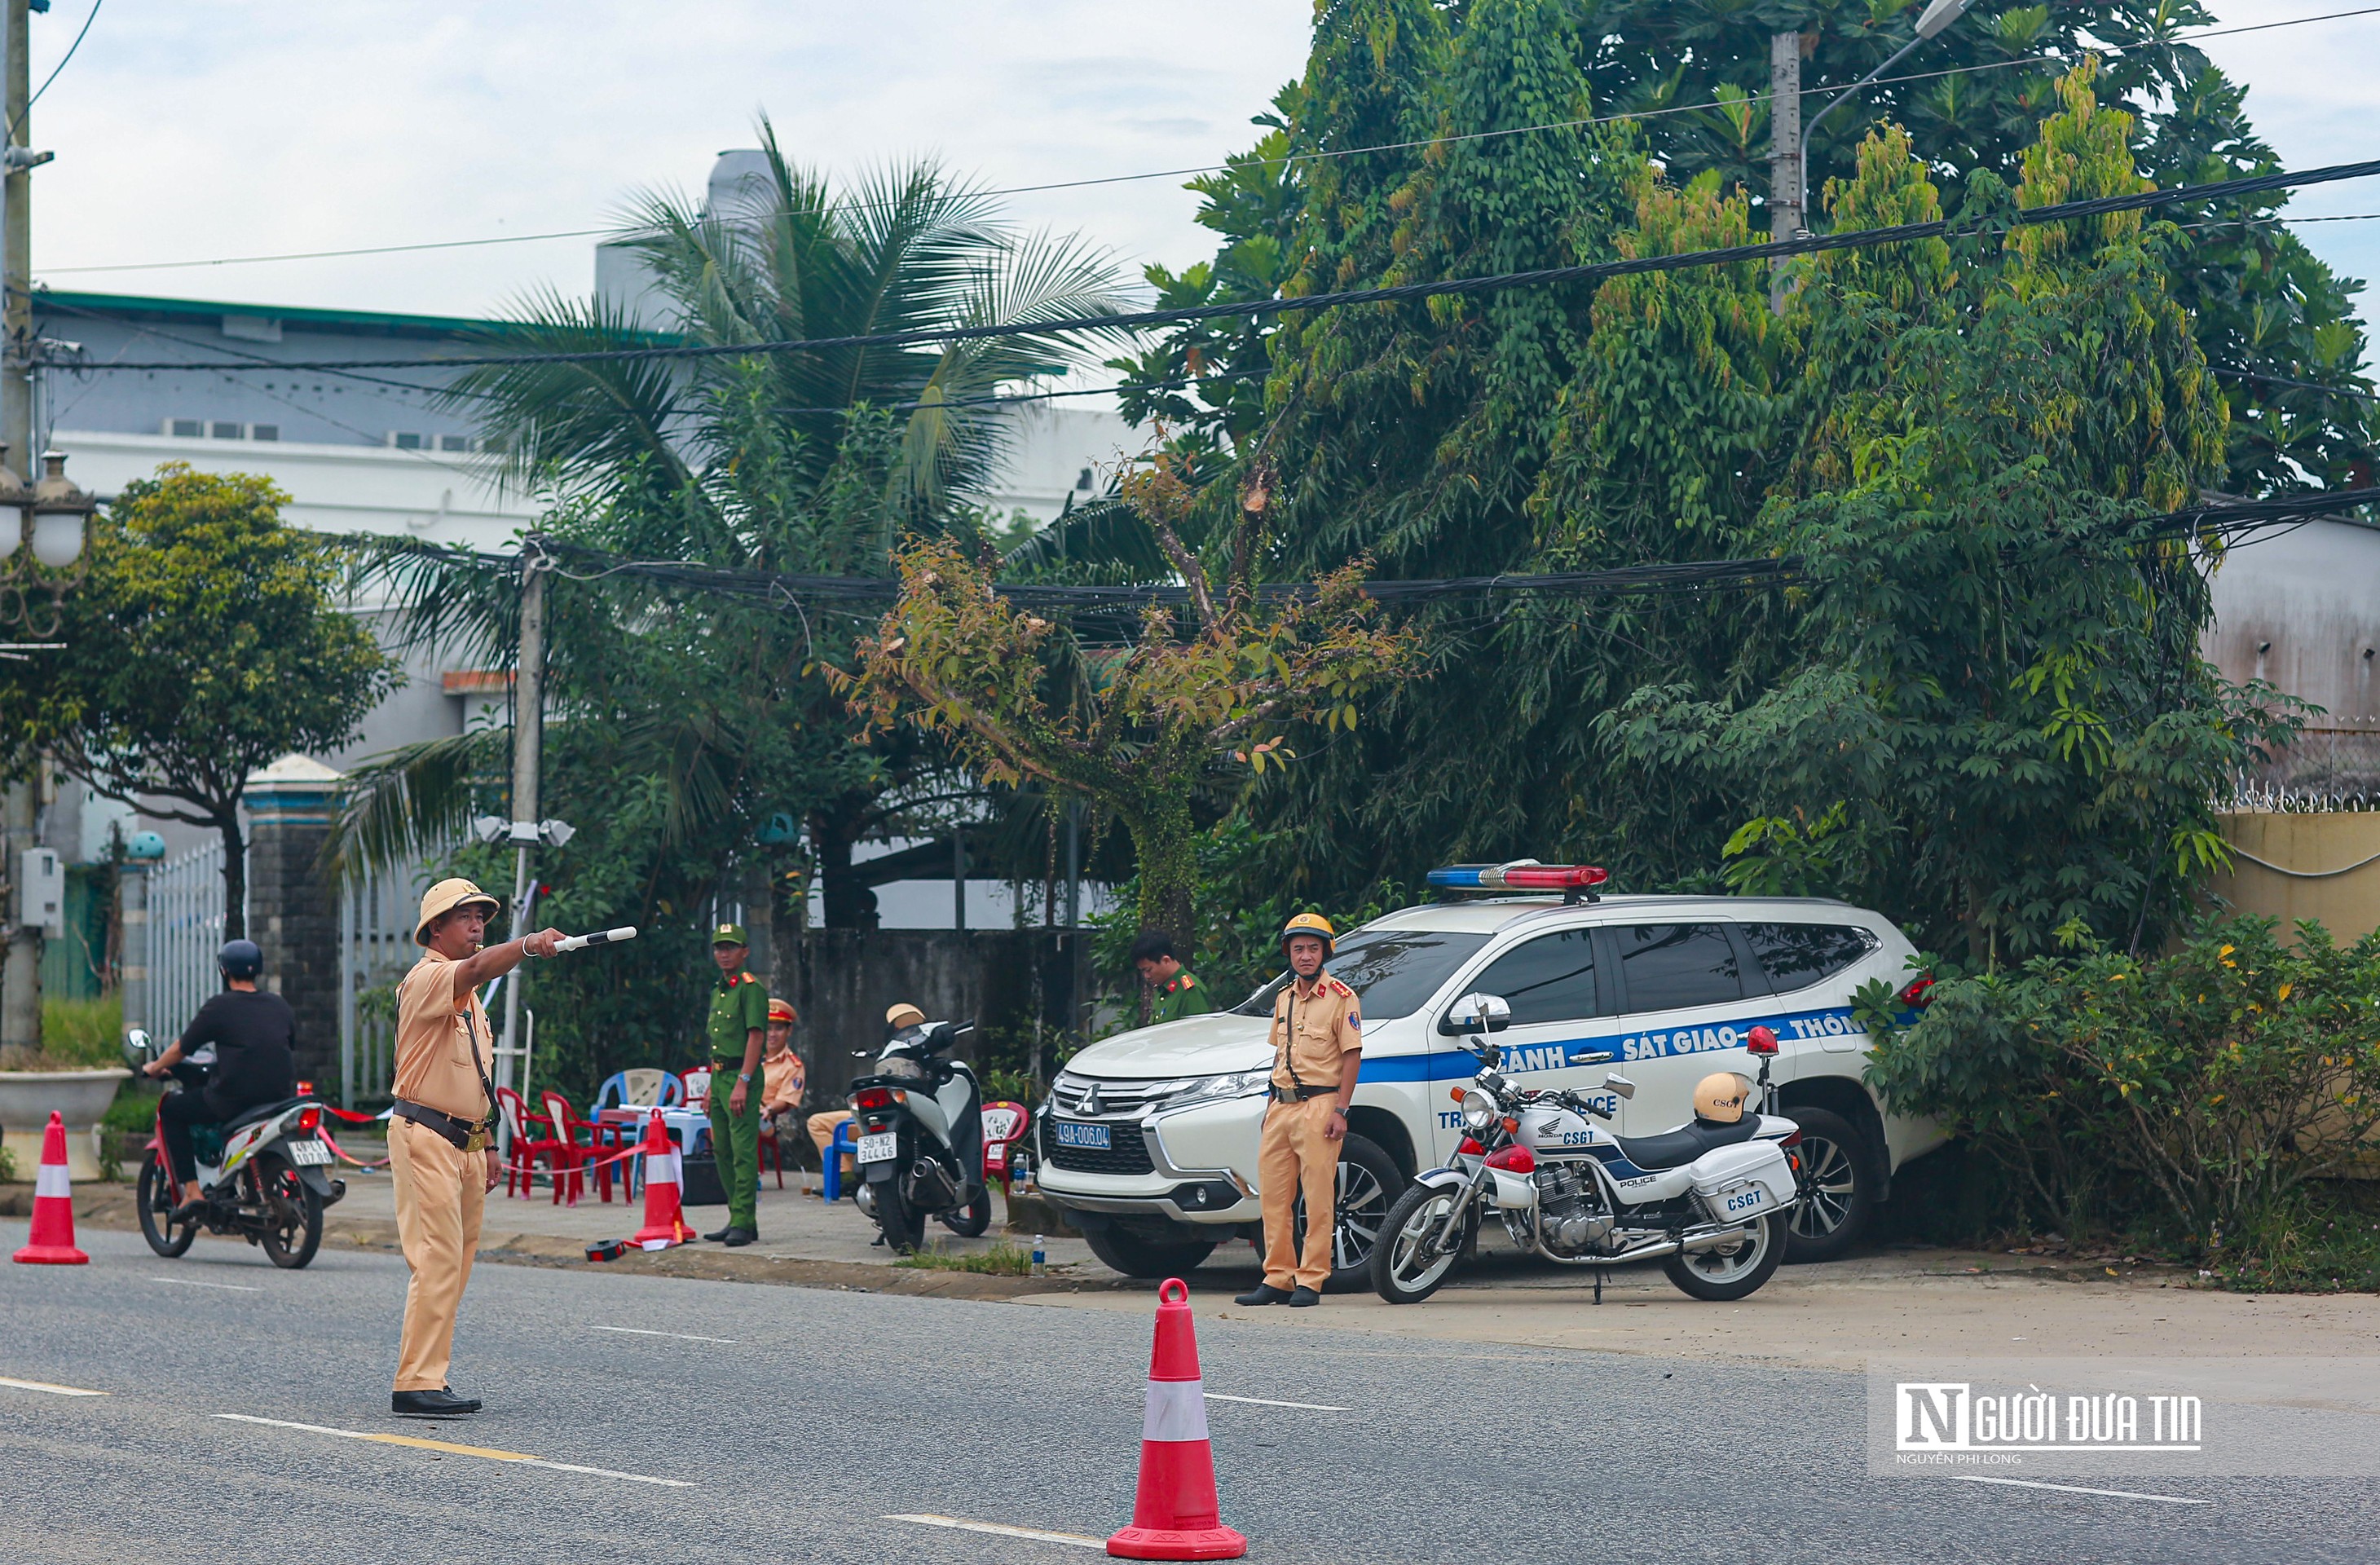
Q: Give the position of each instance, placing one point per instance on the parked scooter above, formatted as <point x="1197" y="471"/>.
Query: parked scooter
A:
<point x="261" y="1173"/>
<point x="1707" y="1200"/>
<point x="917" y="1137"/>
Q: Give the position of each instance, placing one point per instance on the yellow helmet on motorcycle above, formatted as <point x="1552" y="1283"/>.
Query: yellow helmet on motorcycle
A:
<point x="1718" y="1097"/>
<point x="1311" y="924"/>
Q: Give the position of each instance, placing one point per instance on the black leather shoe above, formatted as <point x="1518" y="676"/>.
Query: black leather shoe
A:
<point x="1304" y="1298"/>
<point x="735" y="1238"/>
<point x="717" y="1234"/>
<point x="1262" y="1293"/>
<point x="441" y="1403"/>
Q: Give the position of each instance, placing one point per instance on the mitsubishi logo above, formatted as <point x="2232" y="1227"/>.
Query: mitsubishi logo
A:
<point x="1091" y="1099"/>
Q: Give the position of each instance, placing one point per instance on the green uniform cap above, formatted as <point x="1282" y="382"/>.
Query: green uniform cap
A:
<point x="729" y="934"/>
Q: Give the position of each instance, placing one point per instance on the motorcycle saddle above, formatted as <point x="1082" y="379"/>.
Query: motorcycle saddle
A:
<point x="1676" y="1148"/>
<point x="262" y="1111"/>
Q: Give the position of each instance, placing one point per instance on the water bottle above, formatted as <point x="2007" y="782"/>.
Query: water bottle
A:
<point x="1020" y="1171"/>
<point x="1040" y="1258"/>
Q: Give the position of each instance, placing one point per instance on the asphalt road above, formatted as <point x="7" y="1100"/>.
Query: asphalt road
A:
<point x="816" y="1415"/>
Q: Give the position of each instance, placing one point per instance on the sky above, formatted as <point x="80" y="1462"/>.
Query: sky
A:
<point x="187" y="130"/>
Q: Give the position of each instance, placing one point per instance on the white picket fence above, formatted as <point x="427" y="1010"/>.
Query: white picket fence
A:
<point x="185" y="929"/>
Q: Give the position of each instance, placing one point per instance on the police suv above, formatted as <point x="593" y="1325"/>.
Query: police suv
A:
<point x="1148" y="1139"/>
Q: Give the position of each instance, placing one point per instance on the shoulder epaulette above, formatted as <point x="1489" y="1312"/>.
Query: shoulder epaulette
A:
<point x="1188" y="981"/>
<point x="1338" y="988"/>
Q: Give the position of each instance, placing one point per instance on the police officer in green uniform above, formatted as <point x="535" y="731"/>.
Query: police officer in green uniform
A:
<point x="1178" y="992"/>
<point x="740" y="1022"/>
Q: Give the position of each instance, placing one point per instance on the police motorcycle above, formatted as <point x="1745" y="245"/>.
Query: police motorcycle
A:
<point x="917" y="1137"/>
<point x="261" y="1173"/>
<point x="1708" y="1199"/>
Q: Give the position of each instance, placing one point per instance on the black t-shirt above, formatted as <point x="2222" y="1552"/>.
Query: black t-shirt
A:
<point x="255" y="1034"/>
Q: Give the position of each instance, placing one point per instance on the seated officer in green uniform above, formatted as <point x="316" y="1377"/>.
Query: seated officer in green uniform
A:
<point x="1178" y="992"/>
<point x="739" y="1021"/>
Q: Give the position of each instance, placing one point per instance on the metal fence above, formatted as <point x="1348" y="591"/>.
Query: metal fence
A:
<point x="375" y="948"/>
<point x="2258" y="796"/>
<point x="185" y="929"/>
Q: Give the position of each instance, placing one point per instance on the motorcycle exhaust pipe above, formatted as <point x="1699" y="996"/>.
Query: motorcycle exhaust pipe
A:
<point x="1700" y="1239"/>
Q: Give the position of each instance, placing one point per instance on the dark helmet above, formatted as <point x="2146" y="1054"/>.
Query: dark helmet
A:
<point x="240" y="959"/>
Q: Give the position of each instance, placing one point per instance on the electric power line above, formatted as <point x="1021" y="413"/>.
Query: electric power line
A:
<point x="1120" y="321"/>
<point x="1626" y="116"/>
<point x="18" y="123"/>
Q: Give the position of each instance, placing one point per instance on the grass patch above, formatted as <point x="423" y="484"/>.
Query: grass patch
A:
<point x="77" y="1035"/>
<point x="1003" y="1259"/>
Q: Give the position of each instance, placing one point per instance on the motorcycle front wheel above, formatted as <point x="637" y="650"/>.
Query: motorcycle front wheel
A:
<point x="902" y="1224"/>
<point x="1404" y="1273"/>
<point x="157" y="1198"/>
<point x="293" y="1214"/>
<point x="1722" y="1275"/>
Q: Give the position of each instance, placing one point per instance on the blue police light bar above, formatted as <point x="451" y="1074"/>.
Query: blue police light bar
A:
<point x="1521" y="874"/>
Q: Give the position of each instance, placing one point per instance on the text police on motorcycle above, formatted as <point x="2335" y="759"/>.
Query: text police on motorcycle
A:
<point x="442" y="1155"/>
<point x="254" y="1036"/>
<point x="1317" y="1040"/>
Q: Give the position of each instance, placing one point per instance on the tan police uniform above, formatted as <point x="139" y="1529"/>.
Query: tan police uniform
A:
<point x="1312" y="1035"/>
<point x="443" y="1047"/>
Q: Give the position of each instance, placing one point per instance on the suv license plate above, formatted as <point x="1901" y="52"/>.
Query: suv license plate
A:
<point x="310" y="1154"/>
<point x="878" y="1148"/>
<point x="1073" y="1134"/>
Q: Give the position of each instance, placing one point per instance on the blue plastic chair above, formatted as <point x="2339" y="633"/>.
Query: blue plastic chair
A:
<point x="615" y="1091"/>
<point x="831" y="1176"/>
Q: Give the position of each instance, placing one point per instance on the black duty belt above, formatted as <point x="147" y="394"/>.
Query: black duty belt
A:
<point x="1301" y="1092"/>
<point x="458" y="1131"/>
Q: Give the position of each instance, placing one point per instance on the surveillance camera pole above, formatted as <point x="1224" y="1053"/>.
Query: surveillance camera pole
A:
<point x="529" y="731"/>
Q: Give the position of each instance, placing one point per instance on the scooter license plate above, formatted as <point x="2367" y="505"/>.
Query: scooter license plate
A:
<point x="878" y="1148"/>
<point x="1072" y="1134"/>
<point x="310" y="1154"/>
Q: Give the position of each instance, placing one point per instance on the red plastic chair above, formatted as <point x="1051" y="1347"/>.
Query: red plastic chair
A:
<point x="580" y="1154"/>
<point x="1005" y="1124"/>
<point x="527" y="1146"/>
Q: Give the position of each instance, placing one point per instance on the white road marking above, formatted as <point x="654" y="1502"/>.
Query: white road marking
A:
<point x="2074" y="1490"/>
<point x="1071" y="1540"/>
<point x="194" y="1282"/>
<point x="681" y="1336"/>
<point x="483" y="1453"/>
<point x="45" y="1386"/>
<point x="1268" y="1402"/>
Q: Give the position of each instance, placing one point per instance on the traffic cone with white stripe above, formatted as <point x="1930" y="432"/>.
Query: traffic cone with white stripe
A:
<point x="1174" y="1515"/>
<point x="664" y="1218"/>
<point x="52" y="1241"/>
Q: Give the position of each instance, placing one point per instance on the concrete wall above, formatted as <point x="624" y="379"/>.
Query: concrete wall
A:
<point x="842" y="981"/>
<point x="2323" y="867"/>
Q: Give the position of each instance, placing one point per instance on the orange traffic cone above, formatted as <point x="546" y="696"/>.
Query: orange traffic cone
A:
<point x="52" y="1241"/>
<point x="664" y="1219"/>
<point x="1174" y="1515"/>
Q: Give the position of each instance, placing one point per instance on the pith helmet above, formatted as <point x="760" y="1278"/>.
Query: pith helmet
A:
<point x="445" y="898"/>
<point x="1718" y="1097"/>
<point x="1311" y="924"/>
<point x="902" y="1015"/>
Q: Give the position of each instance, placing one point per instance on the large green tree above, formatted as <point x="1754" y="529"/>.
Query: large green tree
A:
<point x="207" y="640"/>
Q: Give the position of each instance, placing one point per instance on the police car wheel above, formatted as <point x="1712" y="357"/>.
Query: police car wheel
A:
<point x="1839" y="1177"/>
<point x="1135" y="1256"/>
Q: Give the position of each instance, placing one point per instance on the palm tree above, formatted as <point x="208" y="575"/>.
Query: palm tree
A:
<point x="809" y="460"/>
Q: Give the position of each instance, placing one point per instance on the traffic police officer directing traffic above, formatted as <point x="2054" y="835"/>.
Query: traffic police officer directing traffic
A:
<point x="442" y="1158"/>
<point x="740" y="1022"/>
<point x="1317" y="1041"/>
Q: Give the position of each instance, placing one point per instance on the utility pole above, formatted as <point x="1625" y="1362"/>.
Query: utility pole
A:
<point x="529" y="732"/>
<point x="1785" y="219"/>
<point x="20" y="974"/>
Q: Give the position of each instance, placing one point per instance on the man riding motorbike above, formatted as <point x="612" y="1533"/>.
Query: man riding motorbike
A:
<point x="254" y="1034"/>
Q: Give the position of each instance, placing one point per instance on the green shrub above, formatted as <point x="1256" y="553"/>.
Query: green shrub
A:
<point x="2192" y="1098"/>
<point x="82" y="1033"/>
<point x="1003" y="1259"/>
